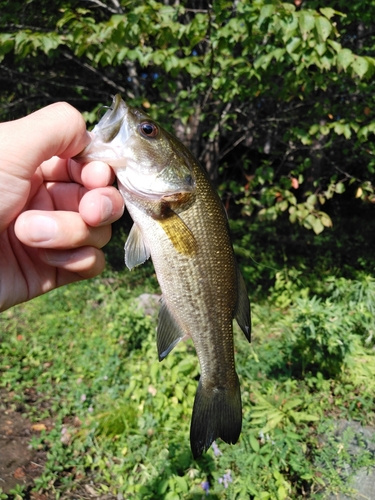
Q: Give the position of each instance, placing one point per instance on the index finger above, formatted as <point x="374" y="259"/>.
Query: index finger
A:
<point x="91" y="175"/>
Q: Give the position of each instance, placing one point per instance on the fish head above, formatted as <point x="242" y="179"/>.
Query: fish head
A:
<point x="148" y="161"/>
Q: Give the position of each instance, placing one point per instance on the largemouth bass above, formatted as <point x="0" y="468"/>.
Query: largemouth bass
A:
<point x="181" y="223"/>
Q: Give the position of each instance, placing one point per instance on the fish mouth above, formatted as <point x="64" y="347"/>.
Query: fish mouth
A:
<point x="109" y="135"/>
<point x="174" y="182"/>
<point x="111" y="122"/>
<point x="155" y="188"/>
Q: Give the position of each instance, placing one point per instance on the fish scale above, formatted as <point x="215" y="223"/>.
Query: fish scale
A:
<point x="180" y="222"/>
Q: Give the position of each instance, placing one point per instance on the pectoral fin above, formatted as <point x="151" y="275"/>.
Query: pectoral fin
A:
<point x="136" y="251"/>
<point x="180" y="235"/>
<point x="169" y="332"/>
<point x="242" y="313"/>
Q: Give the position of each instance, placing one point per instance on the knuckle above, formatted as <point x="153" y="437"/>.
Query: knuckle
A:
<point x="102" y="235"/>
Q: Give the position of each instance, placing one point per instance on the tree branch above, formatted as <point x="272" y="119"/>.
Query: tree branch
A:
<point x="117" y="10"/>
<point x="93" y="70"/>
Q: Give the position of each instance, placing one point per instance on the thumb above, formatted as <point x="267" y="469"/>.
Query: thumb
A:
<point x="56" y="130"/>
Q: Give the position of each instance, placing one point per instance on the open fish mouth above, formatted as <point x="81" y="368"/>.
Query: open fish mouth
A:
<point x="109" y="136"/>
<point x="113" y="121"/>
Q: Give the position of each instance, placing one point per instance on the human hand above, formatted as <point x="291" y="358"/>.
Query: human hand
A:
<point x="55" y="214"/>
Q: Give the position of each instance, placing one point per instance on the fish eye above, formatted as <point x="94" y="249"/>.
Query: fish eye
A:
<point x="149" y="129"/>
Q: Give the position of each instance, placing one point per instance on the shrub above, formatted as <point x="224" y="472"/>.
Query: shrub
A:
<point x="320" y="338"/>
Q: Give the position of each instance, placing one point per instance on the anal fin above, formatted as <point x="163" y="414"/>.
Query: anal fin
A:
<point x="243" y="314"/>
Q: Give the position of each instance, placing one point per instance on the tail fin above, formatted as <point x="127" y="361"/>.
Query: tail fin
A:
<point x="217" y="412"/>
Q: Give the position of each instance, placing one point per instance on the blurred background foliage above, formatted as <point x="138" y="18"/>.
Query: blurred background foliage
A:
<point x="275" y="98"/>
<point x="82" y="361"/>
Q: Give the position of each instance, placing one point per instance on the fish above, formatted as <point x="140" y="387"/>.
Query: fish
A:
<point x="181" y="223"/>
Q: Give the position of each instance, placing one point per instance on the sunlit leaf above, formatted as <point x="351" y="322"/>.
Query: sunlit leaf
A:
<point x="345" y="58"/>
<point x="340" y="187"/>
<point x="323" y="28"/>
<point x="360" y="66"/>
<point x="266" y="12"/>
<point x="327" y="11"/>
<point x="306" y="21"/>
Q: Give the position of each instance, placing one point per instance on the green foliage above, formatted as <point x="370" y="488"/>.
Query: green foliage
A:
<point x="287" y="261"/>
<point x="336" y="457"/>
<point x="359" y="295"/>
<point x="121" y="418"/>
<point x="321" y="338"/>
<point x="324" y="334"/>
<point x="277" y="100"/>
<point x="270" y="412"/>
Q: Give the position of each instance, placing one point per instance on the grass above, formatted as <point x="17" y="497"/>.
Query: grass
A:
<point x="121" y="418"/>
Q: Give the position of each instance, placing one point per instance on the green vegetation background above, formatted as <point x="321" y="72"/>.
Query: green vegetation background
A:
<point x="276" y="99"/>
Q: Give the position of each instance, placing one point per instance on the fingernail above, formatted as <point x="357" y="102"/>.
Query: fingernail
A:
<point x="40" y="228"/>
<point x="106" y="208"/>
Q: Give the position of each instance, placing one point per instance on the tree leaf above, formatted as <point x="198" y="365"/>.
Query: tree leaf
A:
<point x="328" y="12"/>
<point x="317" y="226"/>
<point x="340" y="187"/>
<point x="294" y="43"/>
<point x="265" y="12"/>
<point x="345" y="58"/>
<point x="323" y="28"/>
<point x="6" y="44"/>
<point x="339" y="128"/>
<point x="335" y="45"/>
<point x="360" y="66"/>
<point x="326" y="219"/>
<point x="314" y="129"/>
<point x="324" y="129"/>
<point x="306" y="21"/>
<point x="321" y="48"/>
<point x="278" y="53"/>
